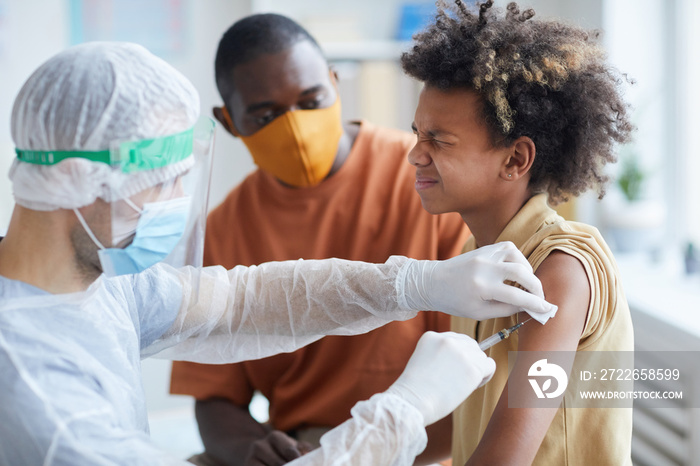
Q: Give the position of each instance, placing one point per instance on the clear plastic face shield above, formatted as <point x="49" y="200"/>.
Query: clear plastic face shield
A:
<point x="157" y="194"/>
<point x="165" y="221"/>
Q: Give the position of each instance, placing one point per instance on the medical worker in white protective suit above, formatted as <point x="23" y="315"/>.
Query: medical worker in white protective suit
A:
<point x="110" y="176"/>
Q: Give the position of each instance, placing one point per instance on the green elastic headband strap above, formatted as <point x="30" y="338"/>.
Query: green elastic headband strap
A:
<point x="132" y="156"/>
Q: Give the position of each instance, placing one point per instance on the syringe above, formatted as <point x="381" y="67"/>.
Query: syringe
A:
<point x="500" y="336"/>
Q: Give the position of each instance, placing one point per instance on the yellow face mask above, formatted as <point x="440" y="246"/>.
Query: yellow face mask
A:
<point x="298" y="147"/>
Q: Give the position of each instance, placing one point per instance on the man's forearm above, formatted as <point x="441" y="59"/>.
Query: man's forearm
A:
<point x="439" y="442"/>
<point x="227" y="430"/>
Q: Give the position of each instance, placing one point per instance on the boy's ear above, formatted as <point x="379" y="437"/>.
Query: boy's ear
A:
<point x="220" y="113"/>
<point x="520" y="159"/>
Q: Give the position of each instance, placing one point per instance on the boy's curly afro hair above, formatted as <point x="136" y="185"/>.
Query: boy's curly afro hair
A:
<point x="542" y="79"/>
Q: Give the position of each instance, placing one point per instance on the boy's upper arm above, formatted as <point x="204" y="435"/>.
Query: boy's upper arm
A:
<point x="513" y="436"/>
<point x="565" y="284"/>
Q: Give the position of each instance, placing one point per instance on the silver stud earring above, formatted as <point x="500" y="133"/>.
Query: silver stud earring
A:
<point x="510" y="175"/>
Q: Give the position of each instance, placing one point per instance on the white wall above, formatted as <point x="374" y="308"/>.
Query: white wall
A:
<point x="688" y="151"/>
<point x="43" y="25"/>
<point x="210" y="19"/>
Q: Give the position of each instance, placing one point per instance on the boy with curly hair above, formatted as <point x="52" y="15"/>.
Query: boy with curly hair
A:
<point x="517" y="115"/>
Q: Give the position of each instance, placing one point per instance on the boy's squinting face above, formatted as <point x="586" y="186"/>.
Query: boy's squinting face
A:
<point x="457" y="167"/>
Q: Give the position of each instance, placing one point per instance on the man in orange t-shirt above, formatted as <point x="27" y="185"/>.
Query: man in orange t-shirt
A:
<point x="323" y="189"/>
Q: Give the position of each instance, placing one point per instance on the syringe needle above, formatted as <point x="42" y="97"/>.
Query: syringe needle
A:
<point x="500" y="336"/>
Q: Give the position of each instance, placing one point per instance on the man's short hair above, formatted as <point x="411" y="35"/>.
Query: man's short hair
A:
<point x="251" y="37"/>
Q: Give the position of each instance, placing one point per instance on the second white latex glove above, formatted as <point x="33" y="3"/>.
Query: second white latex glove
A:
<point x="443" y="371"/>
<point x="473" y="285"/>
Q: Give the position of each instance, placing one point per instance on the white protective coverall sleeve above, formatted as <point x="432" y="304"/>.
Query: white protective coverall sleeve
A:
<point x="253" y="312"/>
<point x="384" y="430"/>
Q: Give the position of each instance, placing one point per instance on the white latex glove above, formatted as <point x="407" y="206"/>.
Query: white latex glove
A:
<point x="443" y="371"/>
<point x="472" y="285"/>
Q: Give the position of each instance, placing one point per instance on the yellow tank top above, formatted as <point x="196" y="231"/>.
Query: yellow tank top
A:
<point x="576" y="436"/>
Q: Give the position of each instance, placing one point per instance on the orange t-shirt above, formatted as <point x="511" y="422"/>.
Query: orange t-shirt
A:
<point x="368" y="210"/>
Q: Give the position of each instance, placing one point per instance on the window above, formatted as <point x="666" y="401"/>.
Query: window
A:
<point x="657" y="43"/>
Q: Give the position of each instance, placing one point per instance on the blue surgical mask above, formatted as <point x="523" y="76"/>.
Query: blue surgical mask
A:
<point x="159" y="229"/>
